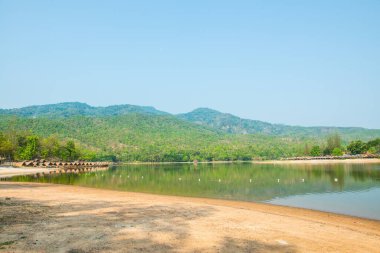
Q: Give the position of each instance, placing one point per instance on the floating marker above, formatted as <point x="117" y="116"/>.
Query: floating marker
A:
<point x="179" y="179"/>
<point x="303" y="180"/>
<point x="128" y="176"/>
<point x="278" y="180"/>
<point x="219" y="180"/>
<point x="199" y="179"/>
<point x="142" y="177"/>
<point x="336" y="180"/>
<point x="250" y="180"/>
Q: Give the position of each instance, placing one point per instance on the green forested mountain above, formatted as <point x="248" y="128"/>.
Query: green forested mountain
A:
<point x="139" y="137"/>
<point x="216" y="121"/>
<point x="134" y="133"/>
<point x="78" y="109"/>
<point x="231" y="124"/>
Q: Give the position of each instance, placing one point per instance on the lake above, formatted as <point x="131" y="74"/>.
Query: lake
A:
<point x="352" y="189"/>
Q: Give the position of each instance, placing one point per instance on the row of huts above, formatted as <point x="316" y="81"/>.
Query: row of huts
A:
<point x="54" y="164"/>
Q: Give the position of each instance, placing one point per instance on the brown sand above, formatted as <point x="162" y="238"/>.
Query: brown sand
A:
<point x="57" y="218"/>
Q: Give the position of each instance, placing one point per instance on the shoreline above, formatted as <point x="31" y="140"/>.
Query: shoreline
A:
<point x="7" y="172"/>
<point x="287" y="161"/>
<point x="324" y="161"/>
<point x="147" y="222"/>
<point x="309" y="161"/>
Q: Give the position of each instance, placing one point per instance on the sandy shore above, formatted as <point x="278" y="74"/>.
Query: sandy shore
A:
<point x="327" y="161"/>
<point x="58" y="218"/>
<point x="312" y="161"/>
<point x="11" y="171"/>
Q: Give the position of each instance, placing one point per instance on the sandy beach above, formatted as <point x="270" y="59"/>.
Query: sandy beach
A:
<point x="12" y="171"/>
<point x="327" y="161"/>
<point x="311" y="161"/>
<point x="58" y="218"/>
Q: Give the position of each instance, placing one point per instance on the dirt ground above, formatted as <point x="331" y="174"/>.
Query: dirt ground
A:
<point x="58" y="218"/>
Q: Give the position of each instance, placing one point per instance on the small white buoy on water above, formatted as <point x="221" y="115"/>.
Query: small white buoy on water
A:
<point x="278" y="180"/>
<point x="303" y="180"/>
<point x="179" y="179"/>
<point x="128" y="176"/>
<point x="336" y="180"/>
<point x="250" y="180"/>
<point x="142" y="177"/>
<point x="199" y="179"/>
<point x="220" y="180"/>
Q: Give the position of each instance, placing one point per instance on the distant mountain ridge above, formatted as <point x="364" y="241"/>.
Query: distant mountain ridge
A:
<point x="69" y="109"/>
<point x="232" y="124"/>
<point x="210" y="119"/>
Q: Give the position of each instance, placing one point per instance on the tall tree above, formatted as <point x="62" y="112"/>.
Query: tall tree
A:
<point x="6" y="147"/>
<point x="333" y="141"/>
<point x="31" y="150"/>
<point x="70" y="148"/>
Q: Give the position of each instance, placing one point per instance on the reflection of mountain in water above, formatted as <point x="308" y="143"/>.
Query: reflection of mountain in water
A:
<point x="229" y="181"/>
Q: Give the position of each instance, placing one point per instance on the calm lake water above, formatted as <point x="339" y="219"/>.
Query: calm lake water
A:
<point x="352" y="189"/>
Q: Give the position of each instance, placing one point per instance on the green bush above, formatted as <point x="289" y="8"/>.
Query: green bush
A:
<point x="357" y="147"/>
<point x="337" y="152"/>
<point x="315" y="151"/>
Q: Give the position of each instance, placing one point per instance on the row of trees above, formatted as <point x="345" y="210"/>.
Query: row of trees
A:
<point x="334" y="147"/>
<point x="157" y="148"/>
<point x="30" y="146"/>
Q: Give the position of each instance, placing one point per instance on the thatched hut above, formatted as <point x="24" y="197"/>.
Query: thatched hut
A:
<point x="19" y="164"/>
<point x="29" y="163"/>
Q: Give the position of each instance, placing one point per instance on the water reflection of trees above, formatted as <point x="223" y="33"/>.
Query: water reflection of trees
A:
<point x="243" y="181"/>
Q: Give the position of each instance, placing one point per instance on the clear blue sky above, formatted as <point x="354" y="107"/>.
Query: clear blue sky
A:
<point x="296" y="62"/>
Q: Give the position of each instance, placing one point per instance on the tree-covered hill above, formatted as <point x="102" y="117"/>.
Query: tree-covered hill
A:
<point x="139" y="137"/>
<point x="208" y="118"/>
<point x="69" y="109"/>
<point x="231" y="124"/>
<point x="134" y="133"/>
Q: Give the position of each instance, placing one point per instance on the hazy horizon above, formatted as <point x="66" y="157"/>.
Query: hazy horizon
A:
<point x="313" y="63"/>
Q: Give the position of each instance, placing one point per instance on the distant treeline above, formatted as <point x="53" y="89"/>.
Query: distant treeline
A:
<point x="334" y="147"/>
<point x="30" y="146"/>
<point x="27" y="146"/>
